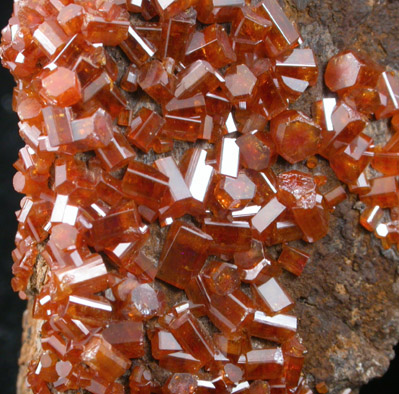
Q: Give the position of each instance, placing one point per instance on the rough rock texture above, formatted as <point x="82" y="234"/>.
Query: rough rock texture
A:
<point x="348" y="296"/>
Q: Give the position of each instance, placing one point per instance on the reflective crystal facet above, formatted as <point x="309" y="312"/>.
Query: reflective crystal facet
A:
<point x="185" y="248"/>
<point x="272" y="298"/>
<point x="283" y="35"/>
<point x="102" y="357"/>
<point x="295" y="135"/>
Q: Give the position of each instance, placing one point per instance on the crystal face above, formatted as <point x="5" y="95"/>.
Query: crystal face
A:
<point x="153" y="194"/>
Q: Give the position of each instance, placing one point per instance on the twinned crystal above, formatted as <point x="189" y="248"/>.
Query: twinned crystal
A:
<point x="152" y="194"/>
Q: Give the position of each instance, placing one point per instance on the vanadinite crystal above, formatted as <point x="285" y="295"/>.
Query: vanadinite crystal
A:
<point x="157" y="264"/>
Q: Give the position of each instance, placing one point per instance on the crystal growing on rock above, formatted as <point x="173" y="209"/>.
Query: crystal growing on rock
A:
<point x="150" y="178"/>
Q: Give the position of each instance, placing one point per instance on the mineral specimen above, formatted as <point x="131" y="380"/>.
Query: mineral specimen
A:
<point x="143" y="243"/>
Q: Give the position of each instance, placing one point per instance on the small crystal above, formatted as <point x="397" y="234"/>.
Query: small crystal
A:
<point x="283" y="35"/>
<point x="183" y="241"/>
<point x="102" y="357"/>
<point x="263" y="364"/>
<point x="217" y="48"/>
<point x="272" y="298"/>
<point x="50" y="37"/>
<point x="240" y="83"/>
<point x="233" y="193"/>
<point x="199" y="77"/>
<point x="61" y="87"/>
<point x="176" y="33"/>
<point x="97" y="29"/>
<point x="293" y="260"/>
<point x="127" y="337"/>
<point x="371" y="217"/>
<point x="277" y="328"/>
<point x="70" y="18"/>
<point x="295" y="135"/>
<point x="192" y="337"/>
<point x="266" y="216"/>
<point x="144" y="129"/>
<point x="145" y="184"/>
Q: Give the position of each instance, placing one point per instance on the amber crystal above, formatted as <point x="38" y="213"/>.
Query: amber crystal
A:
<point x="191" y="245"/>
<point x="295" y="135"/>
<point x="176" y="32"/>
<point x="197" y="174"/>
<point x="200" y="76"/>
<point x="335" y="196"/>
<point x="350" y="160"/>
<point x="98" y="29"/>
<point x="137" y="48"/>
<point x="277" y="328"/>
<point x="294" y="352"/>
<point x="156" y="82"/>
<point x="345" y="124"/>
<point x="313" y="222"/>
<point x="180" y="362"/>
<point x="230" y="313"/>
<point x="192" y="337"/>
<point x="100" y="355"/>
<point x="322" y="111"/>
<point x="178" y="199"/>
<point x="90" y="277"/>
<point x="300" y="65"/>
<point x="248" y="24"/>
<point x="143" y="303"/>
<point x="233" y="193"/>
<point x="263" y="364"/>
<point x="255" y="265"/>
<point x="181" y="383"/>
<point x="186" y="128"/>
<point x="228" y="159"/>
<point x="283" y="35"/>
<point x="217" y="48"/>
<point x="70" y="18"/>
<point x="163" y="343"/>
<point x="61" y="87"/>
<point x="240" y="83"/>
<point x="383" y="192"/>
<point x="228" y="237"/>
<point x="127" y="337"/>
<point x="257" y="151"/>
<point x="218" y="10"/>
<point x="140" y="380"/>
<point x="126" y="226"/>
<point x="293" y="260"/>
<point x="117" y="154"/>
<point x="129" y="81"/>
<point x="221" y="278"/>
<point x="349" y="70"/>
<point x="144" y="129"/>
<point x="371" y="217"/>
<point x="385" y="162"/>
<point x="272" y="298"/>
<point x="233" y="346"/>
<point x="50" y="37"/>
<point x="195" y="48"/>
<point x="263" y="220"/>
<point x="388" y="92"/>
<point x="145" y="184"/>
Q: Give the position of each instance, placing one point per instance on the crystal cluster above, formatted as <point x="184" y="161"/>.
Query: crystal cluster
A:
<point x="221" y="73"/>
